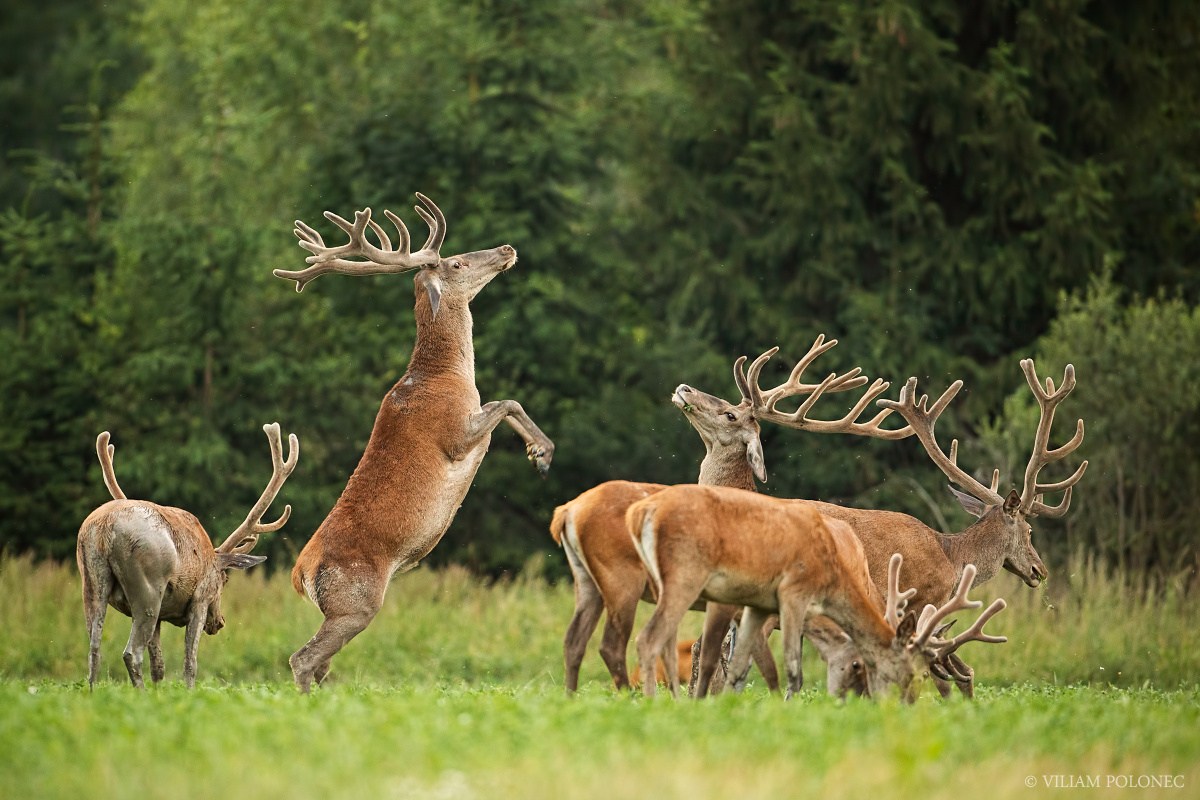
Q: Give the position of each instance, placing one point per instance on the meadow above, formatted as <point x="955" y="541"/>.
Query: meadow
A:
<point x="455" y="692"/>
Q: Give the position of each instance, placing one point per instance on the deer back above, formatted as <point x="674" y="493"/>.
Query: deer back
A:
<point x="882" y="533"/>
<point x="137" y="539"/>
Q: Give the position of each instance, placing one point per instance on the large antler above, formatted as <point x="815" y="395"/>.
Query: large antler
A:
<point x="921" y="418"/>
<point x="932" y="616"/>
<point x="104" y="451"/>
<point x="379" y="260"/>
<point x="1048" y="400"/>
<point x="246" y="536"/>
<point x="897" y="601"/>
<point x="765" y="402"/>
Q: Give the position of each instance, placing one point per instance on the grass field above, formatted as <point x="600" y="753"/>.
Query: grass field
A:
<point x="455" y="692"/>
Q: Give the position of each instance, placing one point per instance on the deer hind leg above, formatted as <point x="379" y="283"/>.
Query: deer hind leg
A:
<point x="660" y="635"/>
<point x="621" y="602"/>
<point x="349" y="603"/>
<point x="538" y="446"/>
<point x="588" y="607"/>
<point x="96" y="586"/>
<point x="145" y="600"/>
<point x="739" y="664"/>
<point x="964" y="677"/>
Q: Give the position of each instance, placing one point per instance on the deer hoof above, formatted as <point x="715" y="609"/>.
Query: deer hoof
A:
<point x="539" y="456"/>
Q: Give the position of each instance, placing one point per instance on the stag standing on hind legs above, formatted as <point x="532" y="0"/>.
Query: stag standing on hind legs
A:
<point x="430" y="434"/>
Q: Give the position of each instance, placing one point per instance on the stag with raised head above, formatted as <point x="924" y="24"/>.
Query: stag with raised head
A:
<point x="775" y="556"/>
<point x="608" y="574"/>
<point x="157" y="564"/>
<point x="429" y="438"/>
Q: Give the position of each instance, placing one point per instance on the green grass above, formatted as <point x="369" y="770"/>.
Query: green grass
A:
<point x="455" y="691"/>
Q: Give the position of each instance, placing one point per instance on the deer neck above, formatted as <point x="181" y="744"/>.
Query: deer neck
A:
<point x="981" y="544"/>
<point x="724" y="466"/>
<point x="444" y="344"/>
<point x="862" y="621"/>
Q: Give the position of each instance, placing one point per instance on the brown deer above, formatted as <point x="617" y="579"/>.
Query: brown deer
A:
<point x="429" y="438"/>
<point x="156" y="564"/>
<point x="730" y="546"/>
<point x="591" y="528"/>
<point x="1002" y="536"/>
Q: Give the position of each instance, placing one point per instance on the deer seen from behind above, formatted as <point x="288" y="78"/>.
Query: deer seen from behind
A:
<point x="780" y="556"/>
<point x="430" y="434"/>
<point x="157" y="564"/>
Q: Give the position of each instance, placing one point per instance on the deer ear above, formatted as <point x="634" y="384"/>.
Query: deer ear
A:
<point x="238" y="560"/>
<point x="758" y="462"/>
<point x="428" y="280"/>
<point x="970" y="503"/>
<point x="1012" y="503"/>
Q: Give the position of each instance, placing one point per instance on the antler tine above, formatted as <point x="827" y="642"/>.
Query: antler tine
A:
<point x="437" y="224"/>
<point x="379" y="260"/>
<point x="246" y="536"/>
<point x="104" y="451"/>
<point x="922" y="419"/>
<point x="974" y="633"/>
<point x="751" y="377"/>
<point x="897" y="601"/>
<point x="766" y="402"/>
<point x="959" y="602"/>
<point x="1048" y="400"/>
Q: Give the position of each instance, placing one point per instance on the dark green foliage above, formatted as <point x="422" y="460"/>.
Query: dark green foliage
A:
<point x="1138" y="367"/>
<point x="685" y="183"/>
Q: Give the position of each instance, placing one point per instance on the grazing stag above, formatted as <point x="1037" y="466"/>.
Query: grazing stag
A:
<point x="430" y="434"/>
<point x="156" y="564"/>
<point x="1001" y="538"/>
<point x="591" y="528"/>
<point x="730" y="546"/>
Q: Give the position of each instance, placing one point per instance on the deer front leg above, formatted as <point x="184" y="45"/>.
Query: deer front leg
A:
<point x="753" y="620"/>
<point x="792" y="612"/>
<point x="538" y="447"/>
<point x="717" y="617"/>
<point x="191" y="642"/>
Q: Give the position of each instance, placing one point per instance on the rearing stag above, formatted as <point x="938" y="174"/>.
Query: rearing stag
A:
<point x="156" y="564"/>
<point x="430" y="434"/>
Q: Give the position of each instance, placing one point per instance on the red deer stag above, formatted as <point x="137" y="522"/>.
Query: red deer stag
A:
<point x="156" y="564"/>
<point x="591" y="528"/>
<point x="430" y="434"/>
<point x="730" y="546"/>
<point x="1002" y="536"/>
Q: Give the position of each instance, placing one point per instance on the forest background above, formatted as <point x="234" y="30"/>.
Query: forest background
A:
<point x="946" y="187"/>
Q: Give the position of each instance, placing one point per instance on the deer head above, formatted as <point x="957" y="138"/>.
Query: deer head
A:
<point x="723" y="426"/>
<point x="918" y="647"/>
<point x="1005" y="516"/>
<point x="450" y="280"/>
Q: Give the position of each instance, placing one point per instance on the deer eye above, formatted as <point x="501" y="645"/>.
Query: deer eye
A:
<point x="729" y="415"/>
